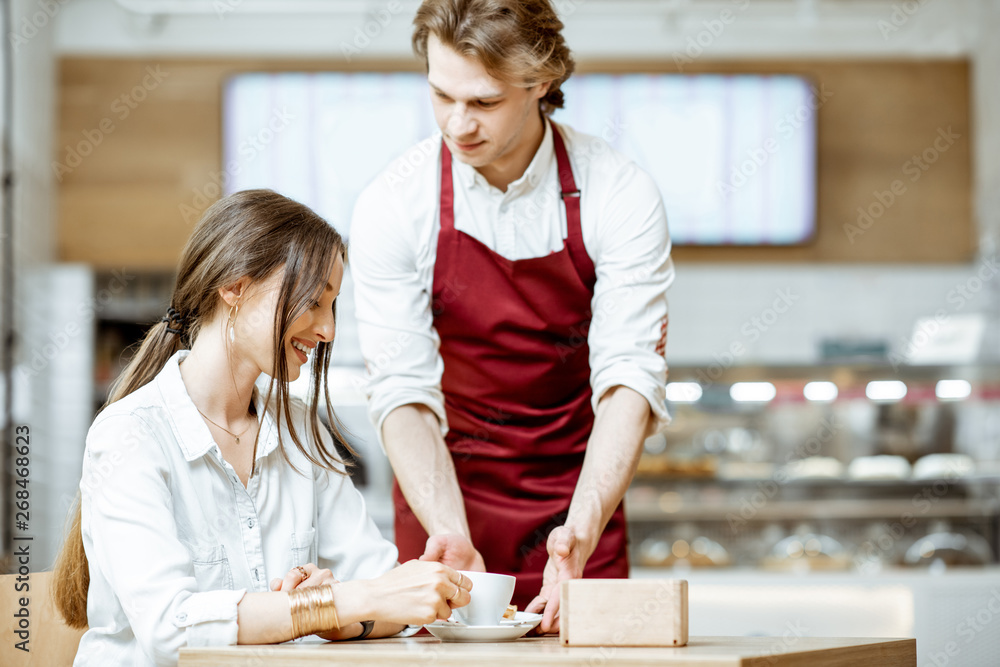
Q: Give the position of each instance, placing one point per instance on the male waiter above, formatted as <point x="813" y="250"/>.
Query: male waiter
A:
<point x="511" y="279"/>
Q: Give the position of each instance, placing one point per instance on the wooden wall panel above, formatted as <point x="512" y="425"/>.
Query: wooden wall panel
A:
<point x="121" y="205"/>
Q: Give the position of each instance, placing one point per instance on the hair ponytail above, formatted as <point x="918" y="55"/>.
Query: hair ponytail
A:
<point x="248" y="234"/>
<point x="153" y="354"/>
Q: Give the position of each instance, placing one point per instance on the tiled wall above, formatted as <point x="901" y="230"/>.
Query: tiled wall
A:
<point x="712" y="307"/>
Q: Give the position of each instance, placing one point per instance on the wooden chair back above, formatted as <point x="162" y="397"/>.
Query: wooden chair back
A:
<point x="51" y="642"/>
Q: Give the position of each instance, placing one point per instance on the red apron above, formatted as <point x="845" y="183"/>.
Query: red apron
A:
<point x="517" y="393"/>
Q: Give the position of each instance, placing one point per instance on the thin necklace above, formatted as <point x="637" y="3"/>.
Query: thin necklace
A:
<point x="223" y="427"/>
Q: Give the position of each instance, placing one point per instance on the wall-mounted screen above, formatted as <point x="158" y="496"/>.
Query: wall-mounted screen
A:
<point x="734" y="155"/>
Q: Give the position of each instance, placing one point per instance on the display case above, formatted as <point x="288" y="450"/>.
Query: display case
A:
<point x="848" y="467"/>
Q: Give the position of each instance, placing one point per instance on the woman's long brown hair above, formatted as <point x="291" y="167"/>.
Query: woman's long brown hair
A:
<point x="250" y="234"/>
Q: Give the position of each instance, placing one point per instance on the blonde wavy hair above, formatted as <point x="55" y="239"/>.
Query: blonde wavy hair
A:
<point x="519" y="42"/>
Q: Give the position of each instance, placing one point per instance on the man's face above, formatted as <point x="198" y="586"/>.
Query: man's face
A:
<point x="482" y="118"/>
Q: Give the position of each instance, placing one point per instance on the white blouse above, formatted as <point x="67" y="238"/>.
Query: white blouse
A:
<point x="175" y="540"/>
<point x="393" y="248"/>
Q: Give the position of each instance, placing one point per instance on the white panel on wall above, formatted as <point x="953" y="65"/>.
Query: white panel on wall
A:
<point x="34" y="103"/>
<point x="61" y="361"/>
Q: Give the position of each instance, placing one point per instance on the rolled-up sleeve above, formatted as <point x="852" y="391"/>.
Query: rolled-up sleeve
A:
<point x="628" y="331"/>
<point x="393" y="309"/>
<point x="209" y="618"/>
<point x="127" y="508"/>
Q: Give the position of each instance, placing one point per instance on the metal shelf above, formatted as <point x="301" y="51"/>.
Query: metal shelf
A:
<point x="824" y="483"/>
<point x="785" y="510"/>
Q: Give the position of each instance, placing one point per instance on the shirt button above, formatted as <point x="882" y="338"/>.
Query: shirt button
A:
<point x="181" y="617"/>
<point x="256" y="574"/>
<point x="249" y="523"/>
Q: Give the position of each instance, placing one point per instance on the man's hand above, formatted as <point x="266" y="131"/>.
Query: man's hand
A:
<point x="566" y="561"/>
<point x="455" y="551"/>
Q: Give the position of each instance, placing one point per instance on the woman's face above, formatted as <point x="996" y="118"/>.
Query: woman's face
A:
<point x="256" y="322"/>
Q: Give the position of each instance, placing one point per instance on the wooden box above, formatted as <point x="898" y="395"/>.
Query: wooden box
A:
<point x="623" y="612"/>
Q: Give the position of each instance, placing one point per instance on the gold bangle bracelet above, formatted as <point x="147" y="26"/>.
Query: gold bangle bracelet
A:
<point x="313" y="610"/>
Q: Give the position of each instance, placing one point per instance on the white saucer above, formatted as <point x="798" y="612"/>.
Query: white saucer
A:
<point x="507" y="630"/>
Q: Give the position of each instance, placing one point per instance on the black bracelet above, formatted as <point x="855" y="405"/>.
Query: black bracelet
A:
<point x="367" y="627"/>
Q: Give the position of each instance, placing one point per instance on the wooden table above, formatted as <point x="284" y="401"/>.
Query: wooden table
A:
<point x="700" y="652"/>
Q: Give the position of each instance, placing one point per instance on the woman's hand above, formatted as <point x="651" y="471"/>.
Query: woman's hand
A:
<point x="309" y="574"/>
<point x="414" y="593"/>
<point x="303" y="575"/>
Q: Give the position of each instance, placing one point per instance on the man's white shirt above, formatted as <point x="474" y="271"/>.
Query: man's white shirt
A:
<point x="393" y="247"/>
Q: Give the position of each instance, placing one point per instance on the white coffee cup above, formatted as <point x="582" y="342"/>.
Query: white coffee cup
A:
<point x="491" y="593"/>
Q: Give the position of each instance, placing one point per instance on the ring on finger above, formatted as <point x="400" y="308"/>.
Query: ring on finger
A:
<point x="302" y="571"/>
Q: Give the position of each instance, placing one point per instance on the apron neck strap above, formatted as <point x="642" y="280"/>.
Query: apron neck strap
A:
<point x="567" y="183"/>
<point x="447" y="212"/>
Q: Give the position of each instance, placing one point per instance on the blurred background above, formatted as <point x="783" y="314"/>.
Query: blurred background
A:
<point x="831" y="172"/>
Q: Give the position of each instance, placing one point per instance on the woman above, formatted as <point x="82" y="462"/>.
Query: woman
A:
<point x="198" y="488"/>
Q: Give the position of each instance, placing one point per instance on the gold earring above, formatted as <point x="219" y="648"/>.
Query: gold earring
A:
<point x="232" y="320"/>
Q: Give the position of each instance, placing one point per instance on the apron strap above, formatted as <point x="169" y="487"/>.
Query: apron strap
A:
<point x="571" y="200"/>
<point x="570" y="196"/>
<point x="447" y="212"/>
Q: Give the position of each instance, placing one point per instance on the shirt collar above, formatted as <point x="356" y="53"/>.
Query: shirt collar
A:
<point x="470" y="177"/>
<point x="190" y="429"/>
